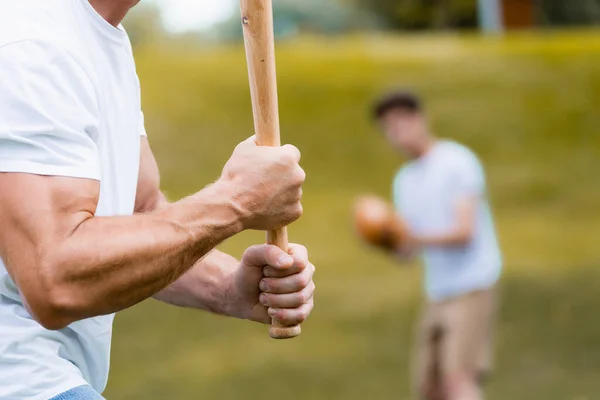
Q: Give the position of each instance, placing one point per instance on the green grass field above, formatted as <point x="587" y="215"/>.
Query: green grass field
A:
<point x="528" y="105"/>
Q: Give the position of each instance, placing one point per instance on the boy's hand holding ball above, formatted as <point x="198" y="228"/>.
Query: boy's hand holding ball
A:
<point x="378" y="224"/>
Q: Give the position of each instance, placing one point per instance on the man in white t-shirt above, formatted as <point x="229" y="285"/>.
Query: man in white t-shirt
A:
<point x="84" y="229"/>
<point x="440" y="195"/>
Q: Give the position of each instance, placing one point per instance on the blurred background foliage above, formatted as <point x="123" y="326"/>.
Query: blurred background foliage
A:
<point x="527" y="103"/>
<point x="335" y="17"/>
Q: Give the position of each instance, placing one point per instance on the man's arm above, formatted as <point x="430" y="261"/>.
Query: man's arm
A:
<point x="461" y="232"/>
<point x="205" y="287"/>
<point x="70" y="265"/>
<point x="221" y="284"/>
<point x="467" y="187"/>
<point x="216" y="265"/>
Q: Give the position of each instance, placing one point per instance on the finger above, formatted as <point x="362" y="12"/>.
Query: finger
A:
<point x="290" y="300"/>
<point x="289" y="284"/>
<point x="292" y="316"/>
<point x="292" y="151"/>
<point x="299" y="256"/>
<point x="265" y="254"/>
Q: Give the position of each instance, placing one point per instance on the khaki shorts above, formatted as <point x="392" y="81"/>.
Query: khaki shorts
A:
<point x="455" y="337"/>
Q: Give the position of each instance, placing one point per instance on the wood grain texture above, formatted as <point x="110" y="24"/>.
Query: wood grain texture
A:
<point x="259" y="40"/>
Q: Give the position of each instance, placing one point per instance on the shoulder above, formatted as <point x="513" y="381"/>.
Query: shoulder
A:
<point x="41" y="83"/>
<point x="457" y="156"/>
<point x="40" y="64"/>
<point x="403" y="178"/>
<point x="403" y="173"/>
<point x="51" y="24"/>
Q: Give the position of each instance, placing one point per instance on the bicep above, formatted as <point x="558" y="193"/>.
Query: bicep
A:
<point x="467" y="178"/>
<point x="466" y="211"/>
<point x="467" y="188"/>
<point x="36" y="213"/>
<point x="49" y="160"/>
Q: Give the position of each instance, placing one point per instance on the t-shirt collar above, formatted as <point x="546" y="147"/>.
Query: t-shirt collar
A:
<point x="115" y="33"/>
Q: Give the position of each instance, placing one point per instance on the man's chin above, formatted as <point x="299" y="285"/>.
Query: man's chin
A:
<point x="410" y="154"/>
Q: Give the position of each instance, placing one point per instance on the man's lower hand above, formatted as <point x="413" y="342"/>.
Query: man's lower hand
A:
<point x="272" y="284"/>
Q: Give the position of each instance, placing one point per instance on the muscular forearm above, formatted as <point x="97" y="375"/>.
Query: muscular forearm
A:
<point x="207" y="286"/>
<point x="108" y="264"/>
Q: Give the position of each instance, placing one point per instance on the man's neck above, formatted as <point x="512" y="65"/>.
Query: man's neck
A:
<point x="113" y="10"/>
<point x="427" y="147"/>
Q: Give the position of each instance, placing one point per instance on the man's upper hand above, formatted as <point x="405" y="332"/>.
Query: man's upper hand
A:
<point x="273" y="284"/>
<point x="267" y="182"/>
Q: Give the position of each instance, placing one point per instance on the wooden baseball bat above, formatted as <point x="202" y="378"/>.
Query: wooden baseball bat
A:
<point x="259" y="40"/>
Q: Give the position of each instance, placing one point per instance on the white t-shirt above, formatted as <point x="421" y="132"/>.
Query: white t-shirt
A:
<point x="69" y="106"/>
<point x="426" y="192"/>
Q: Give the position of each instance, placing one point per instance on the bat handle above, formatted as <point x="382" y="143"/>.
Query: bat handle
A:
<point x="278" y="330"/>
<point x="259" y="40"/>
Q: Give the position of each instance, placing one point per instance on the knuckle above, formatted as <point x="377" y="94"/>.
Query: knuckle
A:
<point x="287" y="153"/>
<point x="302" y="316"/>
<point x="286" y="159"/>
<point x="300" y="175"/>
<point x="303" y="281"/>
<point x="293" y="150"/>
<point x="299" y="211"/>
<point x="301" y="263"/>
<point x="281" y="162"/>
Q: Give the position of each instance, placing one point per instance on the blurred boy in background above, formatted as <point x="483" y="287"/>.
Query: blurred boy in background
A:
<point x="441" y="195"/>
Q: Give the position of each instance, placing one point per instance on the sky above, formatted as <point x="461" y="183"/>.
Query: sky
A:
<point x="182" y="15"/>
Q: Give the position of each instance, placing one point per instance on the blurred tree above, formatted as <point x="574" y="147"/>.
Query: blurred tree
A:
<point x="293" y="17"/>
<point x="422" y="14"/>
<point x="569" y="12"/>
<point x="448" y="14"/>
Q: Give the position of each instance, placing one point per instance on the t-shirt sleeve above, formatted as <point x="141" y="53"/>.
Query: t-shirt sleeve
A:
<point x="468" y="178"/>
<point x="397" y="191"/>
<point x="48" y="113"/>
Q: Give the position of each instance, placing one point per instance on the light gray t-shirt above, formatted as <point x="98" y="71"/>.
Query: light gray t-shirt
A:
<point x="426" y="192"/>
